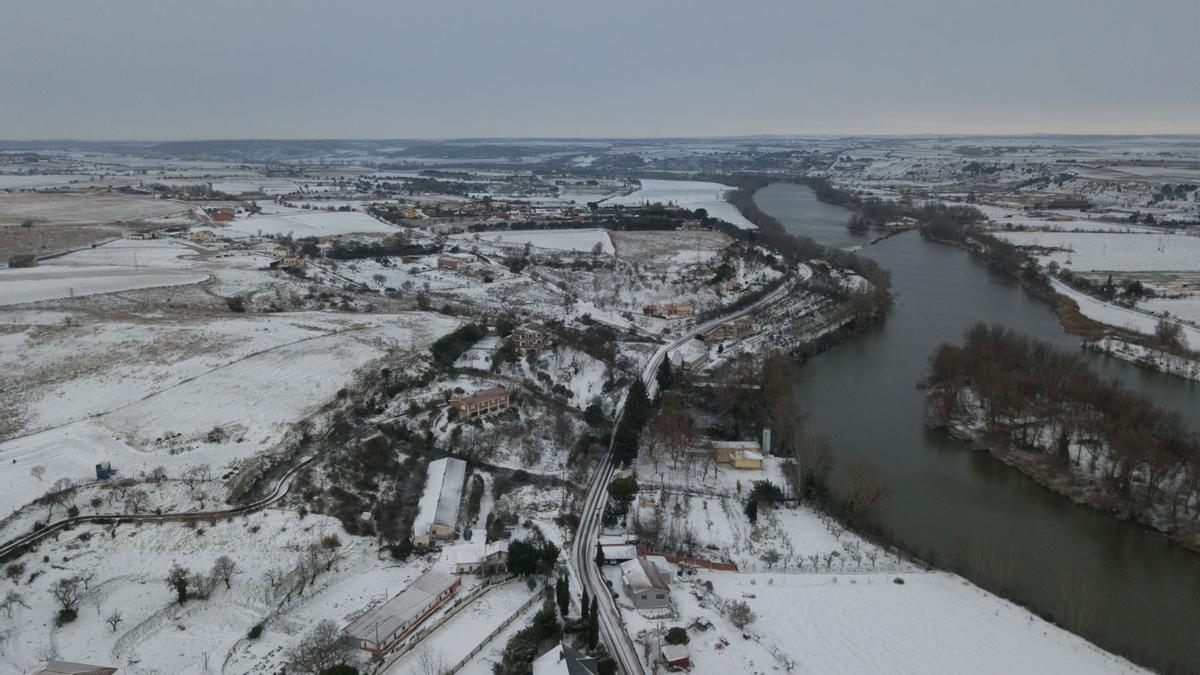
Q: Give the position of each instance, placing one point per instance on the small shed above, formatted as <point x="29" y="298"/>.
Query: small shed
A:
<point x="23" y="260"/>
<point x="676" y="656"/>
<point x="104" y="470"/>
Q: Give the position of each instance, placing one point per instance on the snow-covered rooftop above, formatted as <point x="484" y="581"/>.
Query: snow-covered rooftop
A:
<point x="443" y="491"/>
<point x="641" y="574"/>
<point x="380" y="623"/>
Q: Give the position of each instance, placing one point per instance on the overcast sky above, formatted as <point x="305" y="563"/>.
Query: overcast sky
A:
<point x="160" y="69"/>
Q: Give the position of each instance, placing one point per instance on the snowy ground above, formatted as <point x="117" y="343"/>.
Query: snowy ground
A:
<point x="1112" y="252"/>
<point x="158" y="636"/>
<point x="933" y="623"/>
<point x="1122" y="317"/>
<point x="583" y="241"/>
<point x="304" y="223"/>
<point x="19" y="286"/>
<point x="688" y="194"/>
<point x="85" y="209"/>
<point x="148" y="393"/>
<point x="678" y="247"/>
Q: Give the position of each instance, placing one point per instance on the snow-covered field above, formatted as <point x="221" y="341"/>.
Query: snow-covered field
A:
<point x="1113" y="252"/>
<point x="1121" y="317"/>
<point x="581" y="240"/>
<point x="148" y="393"/>
<point x="47" y="283"/>
<point x="156" y="635"/>
<point x="304" y="223"/>
<point x="679" y="247"/>
<point x="688" y="194"/>
<point x="933" y="623"/>
<point x="85" y="209"/>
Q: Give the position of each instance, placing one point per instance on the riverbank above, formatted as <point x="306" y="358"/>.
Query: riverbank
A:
<point x="1118" y="584"/>
<point x="1046" y="470"/>
<point x="1116" y="341"/>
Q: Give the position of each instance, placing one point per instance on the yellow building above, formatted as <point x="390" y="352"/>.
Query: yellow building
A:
<point x="741" y="455"/>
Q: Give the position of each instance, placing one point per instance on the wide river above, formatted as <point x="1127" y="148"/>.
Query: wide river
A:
<point x="1137" y="593"/>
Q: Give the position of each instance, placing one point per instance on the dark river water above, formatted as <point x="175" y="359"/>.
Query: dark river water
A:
<point x="1136" y="593"/>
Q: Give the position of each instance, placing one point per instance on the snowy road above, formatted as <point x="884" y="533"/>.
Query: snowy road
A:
<point x="583" y="565"/>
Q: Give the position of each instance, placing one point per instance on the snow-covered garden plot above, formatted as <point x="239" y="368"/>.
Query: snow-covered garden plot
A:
<point x="690" y="195"/>
<point x="580" y="240"/>
<point x="303" y="223"/>
<point x="129" y="566"/>
<point x="215" y="393"/>
<point x="683" y="247"/>
<point x="467" y="629"/>
<point x="1112" y="252"/>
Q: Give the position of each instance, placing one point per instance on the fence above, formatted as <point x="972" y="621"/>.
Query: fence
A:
<point x="492" y="636"/>
<point x="694" y="562"/>
<point x="417" y="636"/>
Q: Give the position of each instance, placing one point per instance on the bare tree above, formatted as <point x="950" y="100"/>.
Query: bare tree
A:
<point x="224" y="569"/>
<point x="38" y="472"/>
<point x="868" y="486"/>
<point x="13" y="599"/>
<point x="321" y="648"/>
<point x="135" y="500"/>
<point x="431" y="661"/>
<point x="196" y="474"/>
<point x="158" y="474"/>
<point x="114" y="619"/>
<point x="740" y="614"/>
<point x="66" y="593"/>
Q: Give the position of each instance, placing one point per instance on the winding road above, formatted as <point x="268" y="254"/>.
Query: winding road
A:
<point x="278" y="492"/>
<point x="582" y="561"/>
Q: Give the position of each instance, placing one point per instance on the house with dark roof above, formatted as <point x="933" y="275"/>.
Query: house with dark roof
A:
<point x="563" y="660"/>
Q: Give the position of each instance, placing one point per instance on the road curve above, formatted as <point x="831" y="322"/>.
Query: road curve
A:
<point x="278" y="492"/>
<point x="582" y="561"/>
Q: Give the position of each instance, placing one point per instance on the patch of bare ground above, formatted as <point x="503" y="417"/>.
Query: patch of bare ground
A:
<point x="662" y="246"/>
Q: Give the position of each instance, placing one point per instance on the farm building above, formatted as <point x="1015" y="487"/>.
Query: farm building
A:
<point x="481" y="403"/>
<point x="130" y="234"/>
<point x="743" y="455"/>
<point x="530" y="337"/>
<point x="477" y="558"/>
<point x="438" y="509"/>
<point x="202" y="236"/>
<point x="451" y="262"/>
<point x="668" y="310"/>
<point x="23" y="260"/>
<point x="644" y="584"/>
<point x="563" y="660"/>
<point x="221" y="215"/>
<point x="295" y="262"/>
<point x="69" y="668"/>
<point x="379" y="629"/>
<point x="280" y="251"/>
<point x="737" y="329"/>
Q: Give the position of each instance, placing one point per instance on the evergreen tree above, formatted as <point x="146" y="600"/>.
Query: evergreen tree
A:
<point x="593" y="629"/>
<point x="583" y="606"/>
<point x="599" y="556"/>
<point x="563" y="593"/>
<point x="666" y="378"/>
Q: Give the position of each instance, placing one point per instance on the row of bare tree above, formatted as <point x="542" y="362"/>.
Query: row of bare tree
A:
<point x="1041" y="398"/>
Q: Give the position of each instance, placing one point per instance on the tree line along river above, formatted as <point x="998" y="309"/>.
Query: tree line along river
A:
<point x="1122" y="586"/>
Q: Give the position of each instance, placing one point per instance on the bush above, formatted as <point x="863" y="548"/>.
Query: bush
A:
<point x="677" y="636"/>
<point x="65" y="616"/>
<point x="255" y="631"/>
